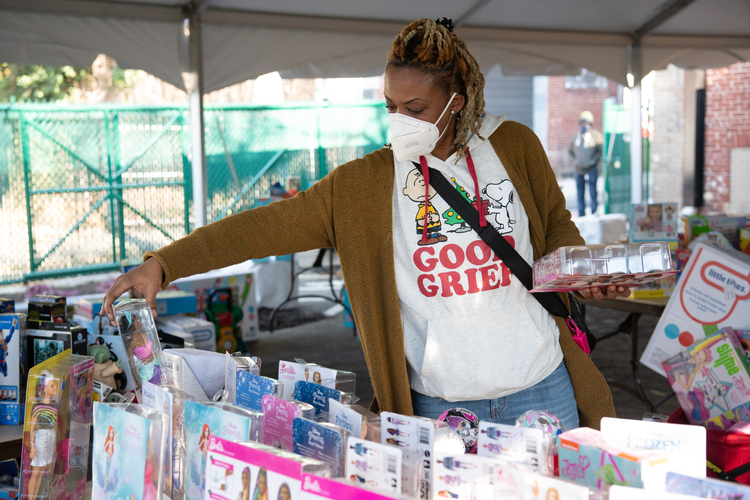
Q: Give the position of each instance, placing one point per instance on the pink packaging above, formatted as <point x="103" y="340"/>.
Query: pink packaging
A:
<point x="280" y="414"/>
<point x="743" y="427"/>
<point x="711" y="377"/>
<point x="319" y="488"/>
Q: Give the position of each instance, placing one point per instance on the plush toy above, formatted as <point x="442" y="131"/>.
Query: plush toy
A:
<point x="104" y="368"/>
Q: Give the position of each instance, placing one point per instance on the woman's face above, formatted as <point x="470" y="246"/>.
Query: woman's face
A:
<point x="414" y="93"/>
<point x="206" y="432"/>
<point x="111" y="433"/>
<point x="317" y="378"/>
<point x="284" y="493"/>
<point x="261" y="484"/>
<point x="245" y="480"/>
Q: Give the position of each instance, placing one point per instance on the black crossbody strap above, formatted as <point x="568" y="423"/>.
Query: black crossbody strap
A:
<point x="551" y="301"/>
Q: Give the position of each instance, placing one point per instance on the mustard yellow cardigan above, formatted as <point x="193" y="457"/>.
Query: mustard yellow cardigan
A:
<point x="350" y="210"/>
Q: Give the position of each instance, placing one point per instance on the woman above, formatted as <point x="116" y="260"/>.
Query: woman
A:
<point x="440" y="327"/>
<point x="245" y="493"/>
<point x="42" y="432"/>
<point x="203" y="447"/>
<point x="261" y="486"/>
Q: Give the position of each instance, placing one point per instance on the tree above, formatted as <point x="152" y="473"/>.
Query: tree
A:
<point x="450" y="215"/>
<point x="35" y="83"/>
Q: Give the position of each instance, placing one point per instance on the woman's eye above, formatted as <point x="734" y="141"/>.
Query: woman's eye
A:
<point x="415" y="111"/>
<point x="391" y="109"/>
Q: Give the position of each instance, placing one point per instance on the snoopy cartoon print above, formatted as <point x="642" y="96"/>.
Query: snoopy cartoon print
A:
<point x="500" y="195"/>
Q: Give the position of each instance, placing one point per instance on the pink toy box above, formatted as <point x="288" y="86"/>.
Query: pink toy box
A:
<point x="577" y="267"/>
<point x="711" y="377"/>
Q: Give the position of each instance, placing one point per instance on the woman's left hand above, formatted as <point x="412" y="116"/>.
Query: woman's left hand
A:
<point x="604" y="292"/>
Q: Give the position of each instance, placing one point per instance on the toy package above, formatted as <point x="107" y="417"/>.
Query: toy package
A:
<point x="138" y="332"/>
<point x="128" y="455"/>
<point x="712" y="293"/>
<point x="278" y="430"/>
<point x="521" y="445"/>
<point x="7" y="305"/>
<point x="202" y="331"/>
<point x="710" y="377"/>
<point x="463" y="476"/>
<point x="57" y="427"/>
<point x="290" y="373"/>
<point x="171" y="402"/>
<point x="12" y="375"/>
<point x="47" y="308"/>
<point x="198" y="373"/>
<point x="684" y="445"/>
<point x="112" y="371"/>
<point x="420" y="439"/>
<point x="653" y="222"/>
<point x="202" y="422"/>
<point x="706" y="487"/>
<point x="321" y="488"/>
<point x="250" y="471"/>
<point x="256" y="418"/>
<point x="374" y="464"/>
<point x="251" y="389"/>
<point x="318" y="396"/>
<point x="577" y="267"/>
<point x="321" y="441"/>
<point x="358" y="420"/>
<point x="47" y="339"/>
<point x="590" y="459"/>
<point x="729" y="227"/>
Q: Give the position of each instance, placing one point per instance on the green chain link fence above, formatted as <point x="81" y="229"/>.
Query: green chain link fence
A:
<point x="83" y="188"/>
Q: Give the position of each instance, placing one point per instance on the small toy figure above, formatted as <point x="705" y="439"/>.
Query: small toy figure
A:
<point x="42" y="433"/>
<point x="203" y="447"/>
<point x="147" y="366"/>
<point x="105" y="369"/>
<point x="4" y="341"/>
<point x="109" y="450"/>
<point x="465" y="423"/>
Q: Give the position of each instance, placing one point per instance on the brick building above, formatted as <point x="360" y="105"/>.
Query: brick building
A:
<point x="567" y="97"/>
<point x="727" y="145"/>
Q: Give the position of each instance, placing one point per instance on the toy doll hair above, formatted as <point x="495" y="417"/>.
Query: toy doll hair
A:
<point x="45" y="378"/>
<point x="283" y="487"/>
<point x="432" y="48"/>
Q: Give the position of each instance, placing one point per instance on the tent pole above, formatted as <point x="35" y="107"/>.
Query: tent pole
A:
<point x="200" y="180"/>
<point x="636" y="142"/>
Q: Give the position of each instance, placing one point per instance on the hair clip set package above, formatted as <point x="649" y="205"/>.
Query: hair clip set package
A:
<point x="358" y="420"/>
<point x="319" y="396"/>
<point x="138" y="331"/>
<point x="130" y="441"/>
<point x="321" y="441"/>
<point x="375" y="465"/>
<point x="577" y="267"/>
<point x="249" y="471"/>
<point x="251" y="389"/>
<point x="171" y="401"/>
<point x="57" y="426"/>
<point x="278" y="428"/>
<point x="527" y="447"/>
<point x="420" y="440"/>
<point x="206" y="420"/>
<point x="290" y="373"/>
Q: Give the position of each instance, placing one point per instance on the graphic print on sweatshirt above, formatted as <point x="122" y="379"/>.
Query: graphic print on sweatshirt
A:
<point x="461" y="309"/>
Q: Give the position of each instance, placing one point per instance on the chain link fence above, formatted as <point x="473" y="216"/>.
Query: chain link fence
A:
<point x="84" y="188"/>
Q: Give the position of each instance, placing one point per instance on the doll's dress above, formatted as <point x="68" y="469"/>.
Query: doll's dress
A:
<point x="150" y="372"/>
<point x="45" y="438"/>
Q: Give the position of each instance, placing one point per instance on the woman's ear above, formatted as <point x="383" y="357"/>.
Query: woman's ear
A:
<point x="458" y="103"/>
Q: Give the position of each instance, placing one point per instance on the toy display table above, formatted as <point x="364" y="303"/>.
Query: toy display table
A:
<point x="629" y="327"/>
<point x="11" y="437"/>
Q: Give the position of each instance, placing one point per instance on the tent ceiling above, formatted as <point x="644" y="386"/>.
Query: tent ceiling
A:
<point x="327" y="38"/>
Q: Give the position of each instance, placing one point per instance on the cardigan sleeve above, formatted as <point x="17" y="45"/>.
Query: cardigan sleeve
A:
<point x="302" y="222"/>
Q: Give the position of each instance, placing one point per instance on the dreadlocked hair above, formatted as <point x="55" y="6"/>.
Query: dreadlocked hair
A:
<point x="432" y="47"/>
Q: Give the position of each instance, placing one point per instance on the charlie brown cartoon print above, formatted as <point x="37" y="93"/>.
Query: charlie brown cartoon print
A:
<point x="415" y="191"/>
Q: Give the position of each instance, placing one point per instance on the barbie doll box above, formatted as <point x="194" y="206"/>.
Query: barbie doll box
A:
<point x="712" y="293"/>
<point x="321" y="488"/>
<point x="589" y="458"/>
<point x="12" y="375"/>
<point x="710" y="377"/>
<point x="374" y="464"/>
<point x="249" y="471"/>
<point x="290" y="373"/>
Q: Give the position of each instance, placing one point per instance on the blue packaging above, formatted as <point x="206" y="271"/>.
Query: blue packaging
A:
<point x="12" y="375"/>
<point x="251" y="388"/>
<point x="316" y="395"/>
<point x="321" y="441"/>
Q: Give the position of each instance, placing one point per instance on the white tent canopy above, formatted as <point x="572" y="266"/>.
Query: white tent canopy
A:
<point x="223" y="42"/>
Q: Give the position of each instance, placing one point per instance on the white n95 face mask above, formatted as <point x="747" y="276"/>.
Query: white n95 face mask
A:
<point x="412" y="138"/>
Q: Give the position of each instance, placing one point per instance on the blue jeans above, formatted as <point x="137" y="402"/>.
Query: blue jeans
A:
<point x="553" y="394"/>
<point x="581" y="185"/>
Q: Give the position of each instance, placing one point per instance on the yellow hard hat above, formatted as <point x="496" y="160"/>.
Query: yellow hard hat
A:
<point x="586" y="116"/>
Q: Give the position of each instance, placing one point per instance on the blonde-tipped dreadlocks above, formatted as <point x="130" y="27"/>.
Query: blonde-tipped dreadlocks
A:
<point x="432" y="47"/>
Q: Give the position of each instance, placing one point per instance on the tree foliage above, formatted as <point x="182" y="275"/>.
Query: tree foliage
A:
<point x="37" y="83"/>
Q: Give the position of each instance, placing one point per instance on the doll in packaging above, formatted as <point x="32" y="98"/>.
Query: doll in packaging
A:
<point x="136" y="326"/>
<point x="43" y="431"/>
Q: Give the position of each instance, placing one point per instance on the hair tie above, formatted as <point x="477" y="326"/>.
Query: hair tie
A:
<point x="446" y="23"/>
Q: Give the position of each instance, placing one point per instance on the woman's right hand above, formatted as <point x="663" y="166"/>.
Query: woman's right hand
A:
<point x="145" y="278"/>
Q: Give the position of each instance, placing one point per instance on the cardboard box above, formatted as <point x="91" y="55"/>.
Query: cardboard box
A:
<point x="243" y="293"/>
<point x="167" y="302"/>
<point x="653" y="222"/>
<point x="47" y="339"/>
<point x="47" y="308"/>
<point x="7" y="305"/>
<point x="202" y="331"/>
<point x="12" y="374"/>
<point x="712" y="293"/>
